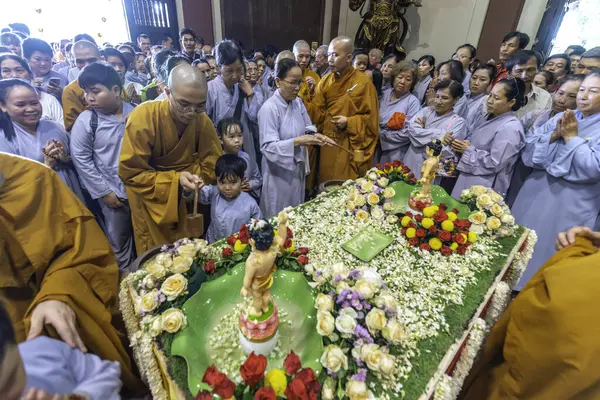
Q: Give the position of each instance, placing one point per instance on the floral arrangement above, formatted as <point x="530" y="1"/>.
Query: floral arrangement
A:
<point x="166" y="282"/>
<point x="295" y="382"/>
<point x="237" y="250"/>
<point x="370" y="197"/>
<point x="448" y="167"/>
<point x="397" y="171"/>
<point x="490" y="214"/>
<point x="438" y="230"/>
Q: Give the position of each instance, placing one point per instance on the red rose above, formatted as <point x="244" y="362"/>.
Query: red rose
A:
<point x="440" y="216"/>
<point x="253" y="369"/>
<point x="445" y="236"/>
<point x="288" y="243"/>
<point x="224" y="388"/>
<point x="244" y="228"/>
<point x="413" y="241"/>
<point x="211" y="376"/>
<point x="290" y="234"/>
<point x="425" y="246"/>
<point x="387" y="165"/>
<point x="308" y="376"/>
<point x="292" y="363"/>
<point x="446" y="251"/>
<point x="209" y="267"/>
<point x="231" y="240"/>
<point x="403" y="231"/>
<point x="265" y="393"/>
<point x="433" y="229"/>
<point x="443" y="206"/>
<point x="455" y="211"/>
<point x="303" y="260"/>
<point x="409" y="214"/>
<point x="460" y="239"/>
<point x="419" y="217"/>
<point x="243" y="237"/>
<point x="296" y="390"/>
<point x="467" y="245"/>
<point x="461" y="250"/>
<point x="406" y="170"/>
<point x="303" y="250"/>
<point x="204" y="395"/>
<point x="295" y="254"/>
<point x="396" y="163"/>
<point x="227" y="252"/>
<point x="420" y="205"/>
<point x="411" y="176"/>
<point x="421" y="233"/>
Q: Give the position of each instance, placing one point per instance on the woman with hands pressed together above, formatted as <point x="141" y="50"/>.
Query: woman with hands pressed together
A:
<point x="563" y="188"/>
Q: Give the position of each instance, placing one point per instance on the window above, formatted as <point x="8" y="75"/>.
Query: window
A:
<point x="579" y="26"/>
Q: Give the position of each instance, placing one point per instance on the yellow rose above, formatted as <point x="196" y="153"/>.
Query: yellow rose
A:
<point x="478" y="190"/>
<point x="435" y="243"/>
<point x="357" y="390"/>
<point x="496" y="198"/>
<point x="324" y="302"/>
<point x="360" y="200"/>
<point x="187" y="250"/>
<point x="334" y="359"/>
<point x="405" y="221"/>
<point x="393" y="332"/>
<point x="389" y="192"/>
<point x="239" y="247"/>
<point x="350" y="205"/>
<point x="373" y="199"/>
<point x="362" y="215"/>
<point x="155" y="326"/>
<point x="156" y="270"/>
<point x="366" y="288"/>
<point x="497" y="210"/>
<point x="472" y="237"/>
<point x="427" y="223"/>
<point x="165" y="259"/>
<point x="325" y="323"/>
<point x="484" y="200"/>
<point x="174" y="286"/>
<point x="276" y="380"/>
<point x="454" y="246"/>
<point x="181" y="264"/>
<point x="366" y="187"/>
<point x="387" y="364"/>
<point x="452" y="216"/>
<point x="383" y="182"/>
<point x="149" y="301"/>
<point x="478" y="218"/>
<point x="373" y="359"/>
<point x="508" y="219"/>
<point x="173" y="320"/>
<point x="411" y="233"/>
<point x="448" y="225"/>
<point x="376" y="320"/>
<point x="429" y="211"/>
<point x="493" y="223"/>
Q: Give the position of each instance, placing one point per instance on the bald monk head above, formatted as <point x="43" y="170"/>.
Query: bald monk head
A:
<point x="85" y="53"/>
<point x="284" y="54"/>
<point x="302" y="53"/>
<point x="340" y="54"/>
<point x="187" y="91"/>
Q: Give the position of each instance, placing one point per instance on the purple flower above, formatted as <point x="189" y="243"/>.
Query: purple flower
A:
<point x="337" y="278"/>
<point x="164" y="248"/>
<point x="361" y="315"/>
<point x="332" y="374"/>
<point x="345" y="305"/>
<point x="319" y="272"/>
<point x="361" y="376"/>
<point x="354" y="274"/>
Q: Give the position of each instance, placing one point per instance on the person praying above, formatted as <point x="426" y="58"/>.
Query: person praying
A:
<point x="131" y="90"/>
<point x="96" y="139"/>
<point x="321" y="64"/>
<point x="524" y="65"/>
<point x="169" y="148"/>
<point x="562" y="190"/>
<point x="511" y="44"/>
<point x="13" y="66"/>
<point x="425" y="72"/>
<point x="187" y="40"/>
<point x="59" y="276"/>
<point x="397" y="107"/>
<point x="481" y="80"/>
<point x="283" y="122"/>
<point x="39" y="56"/>
<point x="310" y="79"/>
<point x="344" y="108"/>
<point x="439" y="122"/>
<point x="23" y="132"/>
<point x="494" y="141"/>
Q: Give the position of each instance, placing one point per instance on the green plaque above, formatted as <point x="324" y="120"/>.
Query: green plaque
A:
<point x="367" y="244"/>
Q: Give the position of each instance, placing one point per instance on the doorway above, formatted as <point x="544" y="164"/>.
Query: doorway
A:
<point x="502" y="17"/>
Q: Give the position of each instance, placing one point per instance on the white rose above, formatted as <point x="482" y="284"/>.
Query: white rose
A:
<point x="367" y="349"/>
<point x="373" y="176"/>
<point x="349" y="311"/>
<point x="508" y="219"/>
<point x="339" y="269"/>
<point x="383" y="181"/>
<point x="387" y="364"/>
<point x="366" y="187"/>
<point x="365" y="288"/>
<point x="350" y="205"/>
<point x="387" y="301"/>
<point x="149" y="301"/>
<point x="377" y="214"/>
<point x="173" y="320"/>
<point x="478" y="190"/>
<point x="373" y="359"/>
<point x="187" y="250"/>
<point x="309" y="269"/>
<point x="391" y="219"/>
<point x="174" y="286"/>
<point x="182" y="264"/>
<point x="155" y="327"/>
<point x="505" y="231"/>
<point x="157" y="270"/>
<point x="478" y="217"/>
<point x="376" y="320"/>
<point x="148" y="282"/>
<point x="484" y="200"/>
<point x="393" y="332"/>
<point x="324" y="302"/>
<point x="388" y="207"/>
<point x="389" y="192"/>
<point x="361" y="181"/>
<point x="328" y="391"/>
<point x="360" y="200"/>
<point x="201" y="246"/>
<point x="497" y="210"/>
<point x="493" y="223"/>
<point x="325" y="323"/>
<point x="341" y="285"/>
<point x="345" y="324"/>
<point x="356" y="390"/>
<point x="165" y="259"/>
<point x="496" y="198"/>
<point x="477" y="228"/>
<point x="372" y="276"/>
<point x="356" y="351"/>
<point x="334" y="359"/>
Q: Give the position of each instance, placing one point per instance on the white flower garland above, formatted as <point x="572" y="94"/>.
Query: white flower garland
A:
<point x="498" y="304"/>
<point x="467" y="357"/>
<point x="444" y="389"/>
<point x="521" y="260"/>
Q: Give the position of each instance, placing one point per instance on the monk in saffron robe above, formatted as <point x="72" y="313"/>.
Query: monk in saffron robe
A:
<point x="169" y="145"/>
<point x="345" y="109"/>
<point x="309" y="77"/>
<point x="545" y="345"/>
<point x="58" y="275"/>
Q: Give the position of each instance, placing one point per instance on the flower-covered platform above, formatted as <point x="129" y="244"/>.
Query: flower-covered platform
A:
<point x="406" y="324"/>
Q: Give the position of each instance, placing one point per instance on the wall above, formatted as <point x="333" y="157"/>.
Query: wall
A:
<point x="197" y="15"/>
<point x="531" y="17"/>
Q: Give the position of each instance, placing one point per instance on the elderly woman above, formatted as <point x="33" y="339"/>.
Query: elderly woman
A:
<point x="563" y="188"/>
<point x="396" y="107"/>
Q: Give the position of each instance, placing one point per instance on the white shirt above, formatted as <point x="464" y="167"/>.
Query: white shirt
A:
<point x="51" y="108"/>
<point x="537" y="99"/>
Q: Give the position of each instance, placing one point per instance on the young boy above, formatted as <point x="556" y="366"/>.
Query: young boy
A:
<point x="360" y="60"/>
<point x="230" y="206"/>
<point x="230" y="133"/>
<point x="45" y="368"/>
<point x="95" y="147"/>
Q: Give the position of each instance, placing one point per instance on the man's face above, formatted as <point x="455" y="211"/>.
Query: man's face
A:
<point x="101" y="98"/>
<point x="509" y="48"/>
<point x="586" y="65"/>
<point x="118" y="65"/>
<point x="167" y="43"/>
<point x="188" y="43"/>
<point x="574" y="63"/>
<point x="213" y="68"/>
<point x="40" y="63"/>
<point x="374" y="59"/>
<point x="525" y="71"/>
<point x="207" y="49"/>
<point x="321" y="59"/>
<point x="303" y="56"/>
<point x="84" y="57"/>
<point x="557" y="66"/>
<point x="204" y="67"/>
<point x="145" y="44"/>
<point x="339" y="60"/>
<point x="186" y="103"/>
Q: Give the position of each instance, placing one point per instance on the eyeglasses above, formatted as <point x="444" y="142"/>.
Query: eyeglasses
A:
<point x="188" y="109"/>
<point x="293" y="84"/>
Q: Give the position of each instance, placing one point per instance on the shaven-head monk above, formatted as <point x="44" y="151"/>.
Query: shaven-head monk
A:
<point x="58" y="275"/>
<point x="73" y="98"/>
<point x="168" y="148"/>
<point x="344" y="107"/>
<point x="309" y="77"/>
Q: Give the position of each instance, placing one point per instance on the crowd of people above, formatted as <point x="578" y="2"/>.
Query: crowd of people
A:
<point x="135" y="129"/>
